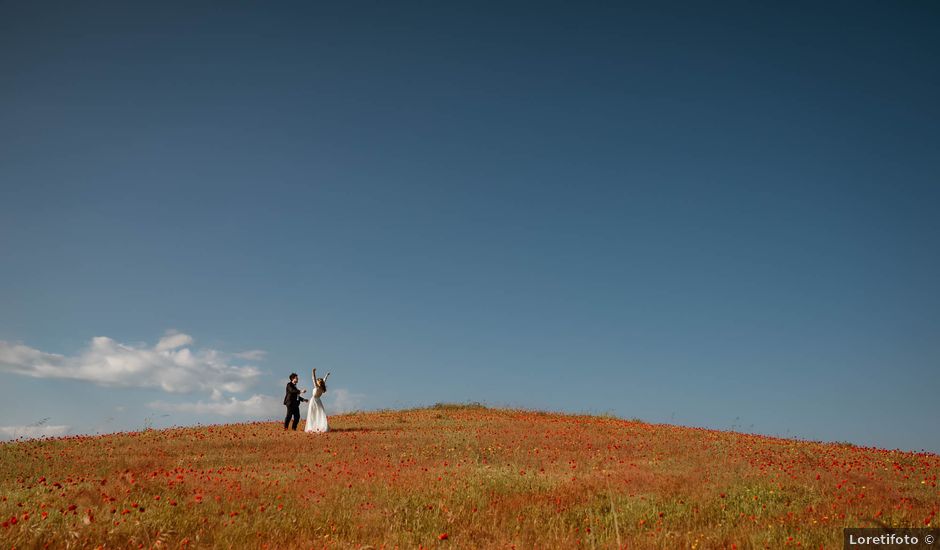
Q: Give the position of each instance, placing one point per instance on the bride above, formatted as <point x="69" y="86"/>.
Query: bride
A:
<point x="316" y="414"/>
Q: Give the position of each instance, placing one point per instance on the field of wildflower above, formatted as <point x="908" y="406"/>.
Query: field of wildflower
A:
<point x="454" y="476"/>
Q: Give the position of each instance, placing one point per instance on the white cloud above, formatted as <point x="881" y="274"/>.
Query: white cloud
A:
<point x="261" y="406"/>
<point x="169" y="365"/>
<point x="173" y="340"/>
<point x="172" y="365"/>
<point x="343" y="400"/>
<point x="29" y="432"/>
<point x="256" y="406"/>
<point x="251" y="355"/>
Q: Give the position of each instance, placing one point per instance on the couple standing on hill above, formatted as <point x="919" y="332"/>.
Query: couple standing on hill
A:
<point x="316" y="414"/>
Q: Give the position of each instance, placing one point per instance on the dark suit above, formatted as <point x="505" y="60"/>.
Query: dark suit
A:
<point x="292" y="399"/>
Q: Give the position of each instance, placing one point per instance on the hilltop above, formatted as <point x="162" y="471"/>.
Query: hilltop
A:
<point x="456" y="476"/>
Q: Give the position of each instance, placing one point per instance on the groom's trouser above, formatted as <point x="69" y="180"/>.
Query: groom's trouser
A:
<point x="293" y="411"/>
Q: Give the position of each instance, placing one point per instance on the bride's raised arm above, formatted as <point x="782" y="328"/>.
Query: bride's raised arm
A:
<point x="327" y="377"/>
<point x="314" y="375"/>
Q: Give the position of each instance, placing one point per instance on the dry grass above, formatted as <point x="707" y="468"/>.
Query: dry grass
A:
<point x="455" y="476"/>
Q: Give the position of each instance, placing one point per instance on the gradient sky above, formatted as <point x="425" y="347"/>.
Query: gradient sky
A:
<point x="720" y="215"/>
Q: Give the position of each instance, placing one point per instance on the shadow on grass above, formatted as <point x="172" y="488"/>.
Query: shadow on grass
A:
<point x="369" y="429"/>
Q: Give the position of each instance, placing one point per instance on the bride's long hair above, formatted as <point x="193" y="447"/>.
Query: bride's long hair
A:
<point x="322" y="383"/>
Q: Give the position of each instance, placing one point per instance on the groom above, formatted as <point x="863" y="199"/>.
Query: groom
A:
<point x="292" y="399"/>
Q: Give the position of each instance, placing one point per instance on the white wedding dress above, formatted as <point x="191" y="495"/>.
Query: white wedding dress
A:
<point x="316" y="414"/>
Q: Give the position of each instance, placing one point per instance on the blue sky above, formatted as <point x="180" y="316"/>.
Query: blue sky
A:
<point x="720" y="215"/>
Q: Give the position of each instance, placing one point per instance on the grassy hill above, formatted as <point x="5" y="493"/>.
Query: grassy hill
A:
<point x="455" y="476"/>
